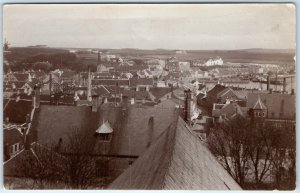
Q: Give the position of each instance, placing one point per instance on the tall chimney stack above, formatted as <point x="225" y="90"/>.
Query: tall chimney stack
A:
<point x="268" y="82"/>
<point x="89" y="86"/>
<point x="150" y="130"/>
<point x="36" y="97"/>
<point x="188" y="106"/>
<point x="284" y="85"/>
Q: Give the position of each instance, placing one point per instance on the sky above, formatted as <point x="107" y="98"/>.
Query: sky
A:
<point x="149" y="26"/>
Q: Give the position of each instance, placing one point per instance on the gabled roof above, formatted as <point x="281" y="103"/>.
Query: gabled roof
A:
<point x="259" y="105"/>
<point x="179" y="161"/>
<point x="12" y="136"/>
<point x="228" y="110"/>
<point x="105" y="128"/>
<point x="216" y="90"/>
<point x="21" y="76"/>
<point x="159" y="92"/>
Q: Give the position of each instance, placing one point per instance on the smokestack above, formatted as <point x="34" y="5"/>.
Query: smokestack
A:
<point x="268" y="82"/>
<point x="36" y="97"/>
<point x="50" y="83"/>
<point x="89" y="89"/>
<point x="150" y="130"/>
<point x="188" y="106"/>
<point x="284" y="85"/>
<point x="98" y="60"/>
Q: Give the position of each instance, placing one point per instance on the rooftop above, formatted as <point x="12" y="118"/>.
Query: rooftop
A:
<point x="179" y="161"/>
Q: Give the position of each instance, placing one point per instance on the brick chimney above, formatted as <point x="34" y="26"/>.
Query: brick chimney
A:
<point x="188" y="106"/>
<point x="124" y="102"/>
<point x="36" y="97"/>
<point x="284" y="85"/>
<point x="89" y="85"/>
<point x="94" y="103"/>
<point x="150" y="131"/>
<point x="27" y="142"/>
<point x="268" y="82"/>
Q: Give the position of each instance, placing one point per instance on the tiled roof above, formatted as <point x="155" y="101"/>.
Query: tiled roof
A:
<point x="17" y="111"/>
<point x="21" y="76"/>
<point x="140" y="81"/>
<point x="159" y="92"/>
<point x="216" y="90"/>
<point x="179" y="161"/>
<point x="110" y="82"/>
<point x="130" y="129"/>
<point x="136" y="94"/>
<point x="228" y="110"/>
<point x="100" y="91"/>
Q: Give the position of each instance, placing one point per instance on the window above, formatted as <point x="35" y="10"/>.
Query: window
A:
<point x="263" y="114"/>
<point x="105" y="136"/>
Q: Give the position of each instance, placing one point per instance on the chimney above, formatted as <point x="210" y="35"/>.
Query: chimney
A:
<point x="150" y="130"/>
<point x="268" y="82"/>
<point x="124" y="102"/>
<point x="36" y="97"/>
<point x="293" y="92"/>
<point x="99" y="58"/>
<point x="50" y="83"/>
<point x="94" y="103"/>
<point x="188" y="106"/>
<point x="89" y="89"/>
<point x="132" y="100"/>
<point x="6" y="151"/>
<point x="27" y="142"/>
<point x="284" y="85"/>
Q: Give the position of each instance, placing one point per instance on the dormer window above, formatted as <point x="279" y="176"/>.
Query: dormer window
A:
<point x="104" y="132"/>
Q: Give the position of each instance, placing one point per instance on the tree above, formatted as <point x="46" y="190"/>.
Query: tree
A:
<point x="227" y="141"/>
<point x="256" y="149"/>
<point x="67" y="163"/>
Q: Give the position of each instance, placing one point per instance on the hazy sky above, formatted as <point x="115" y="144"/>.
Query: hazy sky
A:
<point x="224" y="26"/>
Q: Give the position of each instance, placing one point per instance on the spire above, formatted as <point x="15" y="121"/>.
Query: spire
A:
<point x="259" y="105"/>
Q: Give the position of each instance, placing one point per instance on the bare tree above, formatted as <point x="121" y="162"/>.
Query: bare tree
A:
<point x="255" y="150"/>
<point x="227" y="141"/>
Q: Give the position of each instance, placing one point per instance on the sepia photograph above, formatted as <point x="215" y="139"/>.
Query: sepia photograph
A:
<point x="149" y="96"/>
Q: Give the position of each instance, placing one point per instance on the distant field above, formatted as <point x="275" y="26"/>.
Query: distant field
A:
<point x="235" y="56"/>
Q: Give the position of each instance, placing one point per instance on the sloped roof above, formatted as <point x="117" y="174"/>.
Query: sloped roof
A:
<point x="136" y="94"/>
<point x="130" y="128"/>
<point x="100" y="91"/>
<point x="105" y="128"/>
<point x="228" y="110"/>
<point x="21" y="76"/>
<point x="12" y="136"/>
<point x="17" y="111"/>
<point x="159" y="92"/>
<point x="216" y="90"/>
<point x="179" y="161"/>
<point x="140" y="81"/>
<point x="110" y="82"/>
<point x="280" y="106"/>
